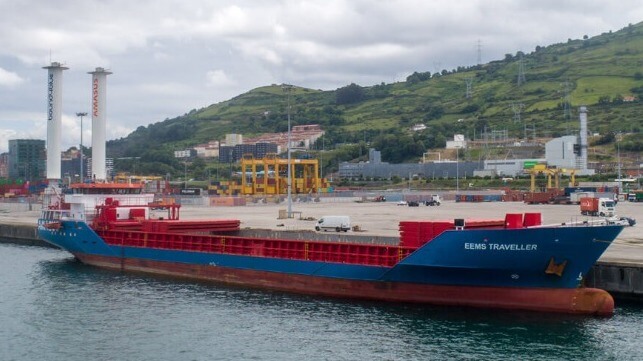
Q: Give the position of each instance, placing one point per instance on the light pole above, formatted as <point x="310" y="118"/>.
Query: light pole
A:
<point x="457" y="170"/>
<point x="321" y="156"/>
<point x="618" y="154"/>
<point x="287" y="89"/>
<point x="81" y="115"/>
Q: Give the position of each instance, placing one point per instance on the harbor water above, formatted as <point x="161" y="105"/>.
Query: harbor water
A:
<point x="55" y="308"/>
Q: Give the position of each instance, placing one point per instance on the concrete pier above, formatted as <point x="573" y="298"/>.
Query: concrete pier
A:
<point x="21" y="234"/>
<point x="622" y="281"/>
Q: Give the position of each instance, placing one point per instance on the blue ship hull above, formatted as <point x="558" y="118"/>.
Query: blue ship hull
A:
<point x="515" y="258"/>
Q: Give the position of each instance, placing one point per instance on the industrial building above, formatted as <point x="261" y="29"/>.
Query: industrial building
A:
<point x="26" y="159"/>
<point x="560" y="152"/>
<point x="301" y="137"/>
<point x="233" y="154"/>
<point x="4" y="164"/>
<point x="507" y="167"/>
<point x="208" y="150"/>
<point x="375" y="168"/>
<point x="565" y="153"/>
<point x="70" y="167"/>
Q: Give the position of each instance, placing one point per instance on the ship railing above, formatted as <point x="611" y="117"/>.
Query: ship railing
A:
<point x="362" y="254"/>
<point x="575" y="222"/>
<point x="89" y="214"/>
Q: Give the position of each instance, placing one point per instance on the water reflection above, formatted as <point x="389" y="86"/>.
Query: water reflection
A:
<point x="79" y="312"/>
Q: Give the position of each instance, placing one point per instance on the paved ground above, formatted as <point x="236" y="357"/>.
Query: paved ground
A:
<point x="382" y="218"/>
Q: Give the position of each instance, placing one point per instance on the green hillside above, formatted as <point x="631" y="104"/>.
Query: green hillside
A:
<point x="597" y="72"/>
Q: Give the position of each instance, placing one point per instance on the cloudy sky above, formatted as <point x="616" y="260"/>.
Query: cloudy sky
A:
<point x="168" y="57"/>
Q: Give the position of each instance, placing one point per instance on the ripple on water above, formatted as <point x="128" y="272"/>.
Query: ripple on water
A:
<point x="54" y="308"/>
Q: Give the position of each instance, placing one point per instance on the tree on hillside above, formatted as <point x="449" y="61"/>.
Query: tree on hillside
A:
<point x="378" y="91"/>
<point x="197" y="168"/>
<point x="418" y="77"/>
<point x="397" y="147"/>
<point x="605" y="139"/>
<point x="433" y="111"/>
<point x="631" y="143"/>
<point x="349" y="94"/>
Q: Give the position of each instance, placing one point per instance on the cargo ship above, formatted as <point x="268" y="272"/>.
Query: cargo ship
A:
<point x="515" y="262"/>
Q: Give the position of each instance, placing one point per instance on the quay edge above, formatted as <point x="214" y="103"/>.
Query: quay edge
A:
<point x="26" y="235"/>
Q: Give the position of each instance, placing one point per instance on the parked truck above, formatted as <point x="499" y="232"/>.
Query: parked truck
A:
<point x="604" y="207"/>
<point x="434" y="201"/>
<point x="575" y="197"/>
<point x="635" y="196"/>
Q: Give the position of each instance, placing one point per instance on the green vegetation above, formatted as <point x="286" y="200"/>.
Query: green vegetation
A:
<point x="597" y="72"/>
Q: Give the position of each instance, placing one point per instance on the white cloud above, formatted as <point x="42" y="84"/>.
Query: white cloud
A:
<point x="5" y="136"/>
<point x="9" y="79"/>
<point x="218" y="78"/>
<point x="169" y="57"/>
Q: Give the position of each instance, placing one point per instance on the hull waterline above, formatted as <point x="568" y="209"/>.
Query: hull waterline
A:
<point x="586" y="301"/>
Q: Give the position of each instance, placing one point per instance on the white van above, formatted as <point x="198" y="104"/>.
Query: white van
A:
<point x="335" y="223"/>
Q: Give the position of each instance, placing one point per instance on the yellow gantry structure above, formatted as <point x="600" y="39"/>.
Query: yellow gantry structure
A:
<point x="269" y="176"/>
<point x="128" y="178"/>
<point x="550" y="173"/>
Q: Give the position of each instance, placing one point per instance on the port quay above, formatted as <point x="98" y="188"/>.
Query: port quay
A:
<point x="619" y="271"/>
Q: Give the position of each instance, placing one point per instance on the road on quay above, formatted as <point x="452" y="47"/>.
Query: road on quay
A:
<point x="382" y="218"/>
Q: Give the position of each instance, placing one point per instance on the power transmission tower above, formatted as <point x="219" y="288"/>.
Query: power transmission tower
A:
<point x="567" y="109"/>
<point x="521" y="71"/>
<point x="469" y="82"/>
<point x="517" y="109"/>
<point x="531" y="129"/>
<point x="479" y="52"/>
<point x="436" y="67"/>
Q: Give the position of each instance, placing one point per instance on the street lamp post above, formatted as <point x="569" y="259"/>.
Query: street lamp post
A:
<point x="287" y="89"/>
<point x="81" y="115"/>
<point x="457" y="169"/>
<point x="321" y="156"/>
<point x="618" y="153"/>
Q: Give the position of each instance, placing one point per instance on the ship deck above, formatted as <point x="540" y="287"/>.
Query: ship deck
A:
<point x="381" y="220"/>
